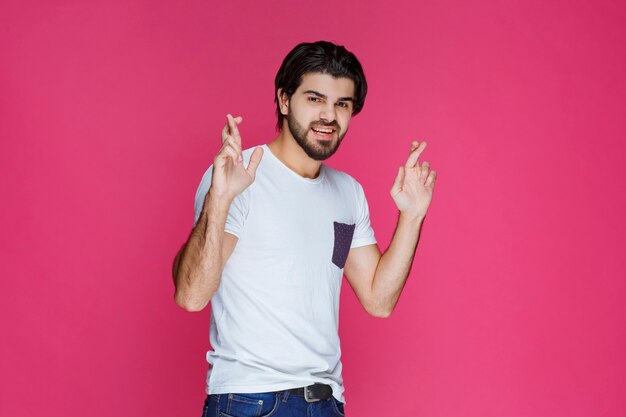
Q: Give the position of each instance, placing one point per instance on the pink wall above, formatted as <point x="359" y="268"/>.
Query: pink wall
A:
<point x="110" y="112"/>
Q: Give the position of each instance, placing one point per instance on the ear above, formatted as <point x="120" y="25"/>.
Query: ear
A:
<point x="283" y="101"/>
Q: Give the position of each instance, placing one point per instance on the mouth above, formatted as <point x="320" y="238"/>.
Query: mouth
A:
<point x="323" y="132"/>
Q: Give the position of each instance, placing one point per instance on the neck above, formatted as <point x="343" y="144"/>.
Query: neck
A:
<point x="285" y="148"/>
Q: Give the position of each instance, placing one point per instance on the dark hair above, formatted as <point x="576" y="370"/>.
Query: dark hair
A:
<point x="324" y="57"/>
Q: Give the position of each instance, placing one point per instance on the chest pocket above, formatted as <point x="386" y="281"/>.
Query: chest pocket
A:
<point x="343" y="240"/>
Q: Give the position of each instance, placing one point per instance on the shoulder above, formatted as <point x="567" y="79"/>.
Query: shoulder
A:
<point x="343" y="180"/>
<point x="345" y="184"/>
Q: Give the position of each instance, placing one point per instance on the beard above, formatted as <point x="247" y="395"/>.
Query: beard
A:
<point x="316" y="149"/>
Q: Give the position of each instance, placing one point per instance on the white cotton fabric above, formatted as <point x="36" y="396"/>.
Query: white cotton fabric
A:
<point x="275" y="316"/>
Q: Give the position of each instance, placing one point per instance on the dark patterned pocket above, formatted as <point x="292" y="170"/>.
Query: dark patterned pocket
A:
<point x="343" y="240"/>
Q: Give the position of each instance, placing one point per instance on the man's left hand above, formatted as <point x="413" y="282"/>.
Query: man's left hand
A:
<point x="412" y="191"/>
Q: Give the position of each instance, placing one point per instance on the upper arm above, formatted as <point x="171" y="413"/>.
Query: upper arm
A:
<point x="228" y="246"/>
<point x="193" y="300"/>
<point x="359" y="270"/>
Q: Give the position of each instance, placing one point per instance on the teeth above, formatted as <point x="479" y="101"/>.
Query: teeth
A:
<point x="323" y="130"/>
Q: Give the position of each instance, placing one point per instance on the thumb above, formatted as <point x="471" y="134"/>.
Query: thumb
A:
<point x="255" y="160"/>
<point x="397" y="184"/>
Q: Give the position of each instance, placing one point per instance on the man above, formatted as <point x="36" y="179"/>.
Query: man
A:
<point x="275" y="229"/>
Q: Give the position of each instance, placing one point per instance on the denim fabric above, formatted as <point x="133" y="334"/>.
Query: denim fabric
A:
<point x="269" y="404"/>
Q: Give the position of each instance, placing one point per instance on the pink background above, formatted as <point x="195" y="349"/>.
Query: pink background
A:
<point x="110" y="112"/>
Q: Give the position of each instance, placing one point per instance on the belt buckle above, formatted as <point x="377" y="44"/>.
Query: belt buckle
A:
<point x="308" y="395"/>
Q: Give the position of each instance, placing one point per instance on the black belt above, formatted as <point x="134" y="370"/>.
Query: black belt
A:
<point x="313" y="393"/>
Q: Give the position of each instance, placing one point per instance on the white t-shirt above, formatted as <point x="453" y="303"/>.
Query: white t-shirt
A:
<point x="275" y="315"/>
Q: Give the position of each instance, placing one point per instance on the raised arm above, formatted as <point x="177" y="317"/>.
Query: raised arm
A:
<point x="377" y="279"/>
<point x="198" y="266"/>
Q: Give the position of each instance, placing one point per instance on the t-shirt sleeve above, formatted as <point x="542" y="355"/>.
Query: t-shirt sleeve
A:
<point x="238" y="208"/>
<point x="363" y="232"/>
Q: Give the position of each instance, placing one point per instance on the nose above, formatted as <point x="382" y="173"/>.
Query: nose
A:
<point x="327" y="113"/>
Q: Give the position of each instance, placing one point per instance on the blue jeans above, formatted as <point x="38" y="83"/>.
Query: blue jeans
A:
<point x="269" y="404"/>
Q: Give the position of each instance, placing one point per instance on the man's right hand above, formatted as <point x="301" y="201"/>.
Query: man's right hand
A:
<point x="230" y="177"/>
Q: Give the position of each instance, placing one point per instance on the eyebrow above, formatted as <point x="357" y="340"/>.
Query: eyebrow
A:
<point x="320" y="95"/>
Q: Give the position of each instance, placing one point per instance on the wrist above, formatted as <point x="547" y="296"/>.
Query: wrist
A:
<point x="408" y="217"/>
<point x="218" y="202"/>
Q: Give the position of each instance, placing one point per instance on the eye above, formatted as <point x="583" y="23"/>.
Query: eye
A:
<point x="314" y="99"/>
<point x="342" y="104"/>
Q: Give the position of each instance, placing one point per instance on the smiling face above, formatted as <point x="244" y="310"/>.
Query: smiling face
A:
<point x="318" y="113"/>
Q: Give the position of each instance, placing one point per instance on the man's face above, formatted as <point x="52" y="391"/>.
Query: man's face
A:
<point x="319" y="113"/>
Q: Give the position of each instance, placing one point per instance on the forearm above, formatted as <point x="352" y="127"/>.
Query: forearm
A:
<point x="198" y="269"/>
<point x="395" y="264"/>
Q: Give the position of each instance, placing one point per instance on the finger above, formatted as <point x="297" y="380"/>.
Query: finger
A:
<point x="411" y="162"/>
<point x="424" y="171"/>
<point x="431" y="178"/>
<point x="230" y="152"/>
<point x="224" y="145"/>
<point x="225" y="154"/>
<point x="234" y="131"/>
<point x="225" y="132"/>
<point x="226" y="129"/>
<point x="230" y="142"/>
<point x="397" y="183"/>
<point x="255" y="160"/>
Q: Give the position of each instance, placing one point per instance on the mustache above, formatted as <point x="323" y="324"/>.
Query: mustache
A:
<point x="319" y="123"/>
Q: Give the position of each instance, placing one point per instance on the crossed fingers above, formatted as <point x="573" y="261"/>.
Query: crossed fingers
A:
<point x="412" y="163"/>
<point x="231" y="139"/>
